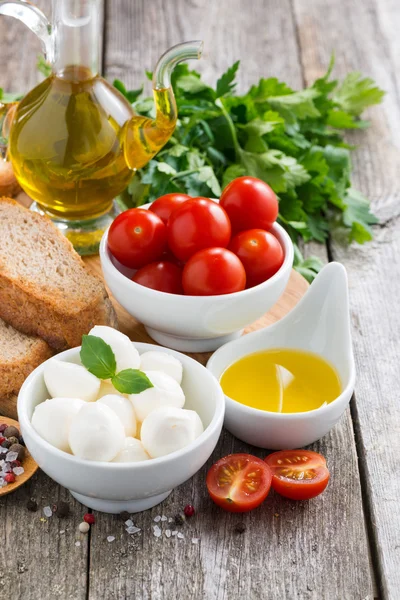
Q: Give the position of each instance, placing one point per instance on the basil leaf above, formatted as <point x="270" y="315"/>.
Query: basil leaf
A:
<point x="131" y="381"/>
<point x="98" y="357"/>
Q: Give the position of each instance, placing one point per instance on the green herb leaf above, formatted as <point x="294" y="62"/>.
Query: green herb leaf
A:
<point x="356" y="93"/>
<point x="226" y="83"/>
<point x="357" y="216"/>
<point x="97" y="357"/>
<point x="43" y="66"/>
<point x="130" y="95"/>
<point x="131" y="381"/>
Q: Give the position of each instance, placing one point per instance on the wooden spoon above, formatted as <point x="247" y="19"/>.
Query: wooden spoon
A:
<point x="28" y="463"/>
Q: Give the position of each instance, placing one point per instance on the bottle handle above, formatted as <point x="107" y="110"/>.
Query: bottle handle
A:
<point x="34" y="19"/>
<point x="7" y="113"/>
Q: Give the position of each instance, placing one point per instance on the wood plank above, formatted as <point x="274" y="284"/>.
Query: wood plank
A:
<point x="365" y="37"/>
<point x="36" y="560"/>
<point x="311" y="550"/>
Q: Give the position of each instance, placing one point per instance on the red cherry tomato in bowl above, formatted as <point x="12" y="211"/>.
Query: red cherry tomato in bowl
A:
<point x="197" y="224"/>
<point x="164" y="206"/>
<point x="298" y="474"/>
<point x="260" y="252"/>
<point x="137" y="237"/>
<point x="162" y="276"/>
<point x="213" y="271"/>
<point x="239" y="482"/>
<point x="250" y="204"/>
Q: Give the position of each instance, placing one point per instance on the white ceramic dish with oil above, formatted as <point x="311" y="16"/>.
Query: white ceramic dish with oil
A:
<point x="115" y="487"/>
<point x="195" y="323"/>
<point x="320" y="323"/>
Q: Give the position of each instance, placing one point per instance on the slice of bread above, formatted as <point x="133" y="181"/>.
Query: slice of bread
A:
<point x="20" y="354"/>
<point x="45" y="287"/>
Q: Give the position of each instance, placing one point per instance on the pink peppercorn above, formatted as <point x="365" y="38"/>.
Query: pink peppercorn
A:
<point x="89" y="518"/>
<point x="15" y="463"/>
<point x="2" y="439"/>
<point x="189" y="510"/>
<point x="10" y="477"/>
<point x="3" y="427"/>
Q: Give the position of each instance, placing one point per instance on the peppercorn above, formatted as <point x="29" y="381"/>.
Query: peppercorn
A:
<point x="179" y="519"/>
<point x="6" y="444"/>
<point x="189" y="510"/>
<point x="10" y="478"/>
<point x="124" y="516"/>
<point x="239" y="528"/>
<point x="11" y="431"/>
<point x="15" y="463"/>
<point x="20" y="450"/>
<point x="2" y="439"/>
<point x="62" y="509"/>
<point x="13" y="440"/>
<point x="3" y="426"/>
<point x="84" y="527"/>
<point x="89" y="518"/>
<point x="32" y="505"/>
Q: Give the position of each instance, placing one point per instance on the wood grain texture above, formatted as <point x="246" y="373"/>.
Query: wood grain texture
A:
<point x="365" y="37"/>
<point x="311" y="550"/>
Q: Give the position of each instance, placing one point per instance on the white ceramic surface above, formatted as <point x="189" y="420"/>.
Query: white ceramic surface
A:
<point x="319" y="323"/>
<point x="114" y="487"/>
<point x="195" y="323"/>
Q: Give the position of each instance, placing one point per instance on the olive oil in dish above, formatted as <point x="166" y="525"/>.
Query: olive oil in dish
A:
<point x="282" y="380"/>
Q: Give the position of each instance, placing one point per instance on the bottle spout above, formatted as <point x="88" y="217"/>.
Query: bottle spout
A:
<point x="34" y="19"/>
<point x="169" y="60"/>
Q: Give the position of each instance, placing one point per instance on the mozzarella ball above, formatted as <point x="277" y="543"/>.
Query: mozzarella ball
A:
<point x="161" y="361"/>
<point x="123" y="409"/>
<point x="126" y="355"/>
<point x="166" y="392"/>
<point x="67" y="380"/>
<point x="96" y="433"/>
<point x="168" y="429"/>
<point x="132" y="451"/>
<point x="52" y="419"/>
<point x="106" y="388"/>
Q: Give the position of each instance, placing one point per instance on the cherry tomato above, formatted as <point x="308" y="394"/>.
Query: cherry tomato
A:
<point x="213" y="271"/>
<point x="137" y="237"/>
<point x="197" y="224"/>
<point x="165" y="205"/>
<point x="239" y="482"/>
<point x="298" y="474"/>
<point x="260" y="253"/>
<point x="162" y="276"/>
<point x="250" y="204"/>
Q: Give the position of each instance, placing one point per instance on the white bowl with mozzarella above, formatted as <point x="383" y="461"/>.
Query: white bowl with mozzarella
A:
<point x="128" y="482"/>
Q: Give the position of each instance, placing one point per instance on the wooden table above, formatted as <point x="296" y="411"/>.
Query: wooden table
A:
<point x="344" y="545"/>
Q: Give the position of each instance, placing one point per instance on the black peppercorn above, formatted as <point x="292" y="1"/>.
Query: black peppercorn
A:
<point x="13" y="439"/>
<point x="179" y="519"/>
<point x="6" y="444"/>
<point x="124" y="516"/>
<point x="11" y="431"/>
<point x="20" y="450"/>
<point x="240" y="528"/>
<point x="62" y="509"/>
<point x="32" y="505"/>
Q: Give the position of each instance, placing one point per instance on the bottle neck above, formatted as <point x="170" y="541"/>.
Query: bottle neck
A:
<point x="76" y="38"/>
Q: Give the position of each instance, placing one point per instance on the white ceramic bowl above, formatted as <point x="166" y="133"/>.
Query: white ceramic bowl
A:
<point x="320" y="323"/>
<point x="195" y="323"/>
<point x="115" y="487"/>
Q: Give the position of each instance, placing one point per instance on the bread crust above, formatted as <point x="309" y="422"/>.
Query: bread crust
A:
<point x="14" y="372"/>
<point x="58" y="321"/>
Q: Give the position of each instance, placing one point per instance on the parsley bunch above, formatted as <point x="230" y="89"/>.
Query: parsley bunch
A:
<point x="293" y="140"/>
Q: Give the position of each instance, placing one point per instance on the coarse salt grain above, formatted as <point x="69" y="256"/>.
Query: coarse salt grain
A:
<point x="133" y="529"/>
<point x="170" y="520"/>
<point x="18" y="470"/>
<point x="157" y="519"/>
<point x="77" y="543"/>
<point x="195" y="540"/>
<point x="168" y="533"/>
<point x="157" y="531"/>
<point x="47" y="511"/>
<point x="129" y="523"/>
<point x="62" y="531"/>
<point x="164" y="518"/>
<point x="180" y="536"/>
<point x="3" y="450"/>
<point x="110" y="538"/>
<point x="11" y="456"/>
<point x="175" y="532"/>
<point x="6" y="468"/>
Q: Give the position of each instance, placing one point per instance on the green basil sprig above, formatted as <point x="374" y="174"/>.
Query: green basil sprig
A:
<point x="99" y="359"/>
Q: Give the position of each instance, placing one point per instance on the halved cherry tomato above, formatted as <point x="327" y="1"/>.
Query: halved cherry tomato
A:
<point x="250" y="204"/>
<point x="298" y="474"/>
<point x="212" y="272"/>
<point x="260" y="253"/>
<point x="162" y="276"/>
<point x="137" y="237"/>
<point x="164" y="206"/>
<point x="197" y="224"/>
<point x="239" y="482"/>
